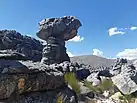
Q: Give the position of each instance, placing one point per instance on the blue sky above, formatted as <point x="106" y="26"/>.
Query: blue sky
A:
<point x="119" y="17"/>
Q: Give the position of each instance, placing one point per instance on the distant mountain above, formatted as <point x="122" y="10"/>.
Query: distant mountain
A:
<point x="93" y="60"/>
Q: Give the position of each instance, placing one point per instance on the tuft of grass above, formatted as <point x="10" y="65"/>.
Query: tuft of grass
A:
<point x="105" y="85"/>
<point x="72" y="81"/>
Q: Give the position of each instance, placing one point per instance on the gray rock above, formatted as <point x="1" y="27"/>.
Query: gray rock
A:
<point x="135" y="64"/>
<point x="96" y="82"/>
<point x="94" y="79"/>
<point x="117" y="66"/>
<point x="126" y="81"/>
<point x="12" y="66"/>
<point x="116" y="70"/>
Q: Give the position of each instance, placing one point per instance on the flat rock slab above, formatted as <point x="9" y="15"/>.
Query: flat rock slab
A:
<point x="12" y="66"/>
<point x="10" y="55"/>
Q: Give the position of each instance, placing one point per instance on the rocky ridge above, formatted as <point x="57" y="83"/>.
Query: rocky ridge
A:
<point x="14" y="41"/>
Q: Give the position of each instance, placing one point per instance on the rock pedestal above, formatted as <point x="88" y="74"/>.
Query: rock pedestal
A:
<point x="55" y="31"/>
<point x="54" y="51"/>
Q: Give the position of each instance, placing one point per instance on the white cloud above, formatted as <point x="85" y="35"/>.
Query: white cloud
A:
<point x="97" y="52"/>
<point x="77" y="39"/>
<point x="115" y="31"/>
<point x="70" y="54"/>
<point x="133" y="28"/>
<point x="128" y="54"/>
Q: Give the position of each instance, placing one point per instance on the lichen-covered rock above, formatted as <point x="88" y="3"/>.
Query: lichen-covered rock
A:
<point x="21" y="83"/>
<point x="33" y="82"/>
<point x="60" y="95"/>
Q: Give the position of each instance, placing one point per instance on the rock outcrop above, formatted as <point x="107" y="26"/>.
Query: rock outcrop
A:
<point x="32" y="82"/>
<point x="29" y="47"/>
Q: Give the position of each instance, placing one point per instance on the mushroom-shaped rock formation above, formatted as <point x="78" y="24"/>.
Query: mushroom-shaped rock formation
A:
<point x="55" y="31"/>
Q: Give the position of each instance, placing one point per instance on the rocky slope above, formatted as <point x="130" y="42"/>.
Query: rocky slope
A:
<point x="93" y="60"/>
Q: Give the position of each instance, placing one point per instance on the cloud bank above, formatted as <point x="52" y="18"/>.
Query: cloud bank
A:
<point x="117" y="31"/>
<point x="128" y="54"/>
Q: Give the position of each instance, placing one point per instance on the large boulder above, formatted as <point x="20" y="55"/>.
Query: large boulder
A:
<point x="126" y="80"/>
<point x="33" y="82"/>
<point x="21" y="82"/>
